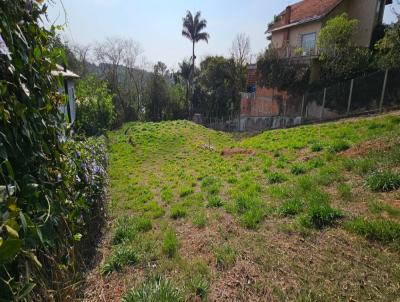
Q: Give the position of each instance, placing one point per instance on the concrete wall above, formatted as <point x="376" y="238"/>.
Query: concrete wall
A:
<point x="366" y="12"/>
<point x="277" y="39"/>
<point x="266" y="123"/>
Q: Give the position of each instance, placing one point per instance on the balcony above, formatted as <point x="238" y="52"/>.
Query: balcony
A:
<point x="298" y="54"/>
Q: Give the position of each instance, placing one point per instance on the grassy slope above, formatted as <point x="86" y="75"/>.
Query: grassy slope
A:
<point x="271" y="225"/>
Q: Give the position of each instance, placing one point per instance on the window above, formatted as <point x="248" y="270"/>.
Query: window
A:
<point x="308" y="42"/>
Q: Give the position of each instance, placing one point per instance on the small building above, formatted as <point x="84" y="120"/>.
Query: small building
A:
<point x="68" y="89"/>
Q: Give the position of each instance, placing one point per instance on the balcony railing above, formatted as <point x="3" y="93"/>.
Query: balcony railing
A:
<point x="298" y="52"/>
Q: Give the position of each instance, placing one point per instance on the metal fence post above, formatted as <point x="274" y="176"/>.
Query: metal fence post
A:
<point x="323" y="104"/>
<point x="383" y="91"/>
<point x="350" y="96"/>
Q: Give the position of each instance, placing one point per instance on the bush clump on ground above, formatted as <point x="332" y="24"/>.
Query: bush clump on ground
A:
<point x="383" y="181"/>
<point x="319" y="215"/>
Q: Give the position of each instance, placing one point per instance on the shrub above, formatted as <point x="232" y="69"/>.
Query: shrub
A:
<point x="170" y="243"/>
<point x="154" y="290"/>
<point x="200" y="220"/>
<point x="298" y="169"/>
<point x="291" y="207"/>
<point x="225" y="257"/>
<point x="214" y="201"/>
<point x="384" y="181"/>
<point x="276" y="178"/>
<point x="178" y="211"/>
<point x="316" y="162"/>
<point x="95" y="110"/>
<point x="320" y="215"/>
<point x="121" y="256"/>
<point x="383" y="230"/>
<point x="339" y="146"/>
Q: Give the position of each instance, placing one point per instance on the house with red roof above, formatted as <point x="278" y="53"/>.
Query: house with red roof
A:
<point x="294" y="32"/>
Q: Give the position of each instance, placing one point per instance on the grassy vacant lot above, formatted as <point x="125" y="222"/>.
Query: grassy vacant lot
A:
<point x="304" y="214"/>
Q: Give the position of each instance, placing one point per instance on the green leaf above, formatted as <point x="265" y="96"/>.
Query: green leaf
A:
<point x="9" y="250"/>
<point x="77" y="237"/>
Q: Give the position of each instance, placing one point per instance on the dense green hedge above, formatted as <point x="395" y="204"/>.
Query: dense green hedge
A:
<point x="48" y="184"/>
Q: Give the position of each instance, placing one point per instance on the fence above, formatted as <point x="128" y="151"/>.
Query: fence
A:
<point x="373" y="93"/>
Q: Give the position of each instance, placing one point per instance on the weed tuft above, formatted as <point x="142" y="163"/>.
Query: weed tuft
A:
<point x="170" y="243"/>
<point x="383" y="181"/>
<point x="121" y="256"/>
<point x="276" y="178"/>
<point x="339" y="146"/>
<point x="178" y="211"/>
<point x="154" y="290"/>
<point x="298" y="169"/>
<point x="344" y="191"/>
<point x="291" y="207"/>
<point x="200" y="220"/>
<point x="214" y="201"/>
<point x="225" y="257"/>
<point x="319" y="215"/>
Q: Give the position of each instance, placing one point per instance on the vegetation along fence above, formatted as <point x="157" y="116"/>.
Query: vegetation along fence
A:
<point x="370" y="94"/>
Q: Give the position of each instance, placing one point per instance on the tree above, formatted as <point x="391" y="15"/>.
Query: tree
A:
<point x="240" y="50"/>
<point x="219" y="85"/>
<point x="157" y="94"/>
<point x="95" y="112"/>
<point x="193" y="30"/>
<point x="117" y="59"/>
<point x="388" y="48"/>
<point x="185" y="73"/>
<point x="340" y="58"/>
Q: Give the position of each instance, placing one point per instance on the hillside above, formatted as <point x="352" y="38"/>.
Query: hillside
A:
<point x="304" y="214"/>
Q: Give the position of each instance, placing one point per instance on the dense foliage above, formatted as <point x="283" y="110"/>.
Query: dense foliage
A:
<point x="48" y="184"/>
<point x="218" y="86"/>
<point x="273" y="71"/>
<point x="95" y="109"/>
<point x="389" y="48"/>
<point x="339" y="57"/>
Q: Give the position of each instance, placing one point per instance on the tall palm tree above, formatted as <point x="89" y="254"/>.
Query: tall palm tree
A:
<point x="193" y="30"/>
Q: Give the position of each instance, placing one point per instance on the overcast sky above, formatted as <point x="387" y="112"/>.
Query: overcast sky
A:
<point x="157" y="24"/>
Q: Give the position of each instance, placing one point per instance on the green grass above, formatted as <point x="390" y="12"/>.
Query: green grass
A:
<point x="320" y="215"/>
<point x="383" y="181"/>
<point x="225" y="257"/>
<point x="294" y="183"/>
<point x="121" y="256"/>
<point x="178" y="211"/>
<point x="200" y="220"/>
<point x="154" y="290"/>
<point x="381" y="230"/>
<point x="170" y="243"/>
<point x="276" y="178"/>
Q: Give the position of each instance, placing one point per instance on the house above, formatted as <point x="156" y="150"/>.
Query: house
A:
<point x="294" y="31"/>
<point x="294" y="34"/>
<point x="67" y="88"/>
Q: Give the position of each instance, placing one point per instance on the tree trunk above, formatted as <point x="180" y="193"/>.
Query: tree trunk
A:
<point x="191" y="84"/>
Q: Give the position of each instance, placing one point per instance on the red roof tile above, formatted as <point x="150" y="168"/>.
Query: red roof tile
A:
<point x="306" y="10"/>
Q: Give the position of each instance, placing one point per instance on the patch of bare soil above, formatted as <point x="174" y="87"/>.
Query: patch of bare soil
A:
<point x="376" y="145"/>
<point x="234" y="151"/>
